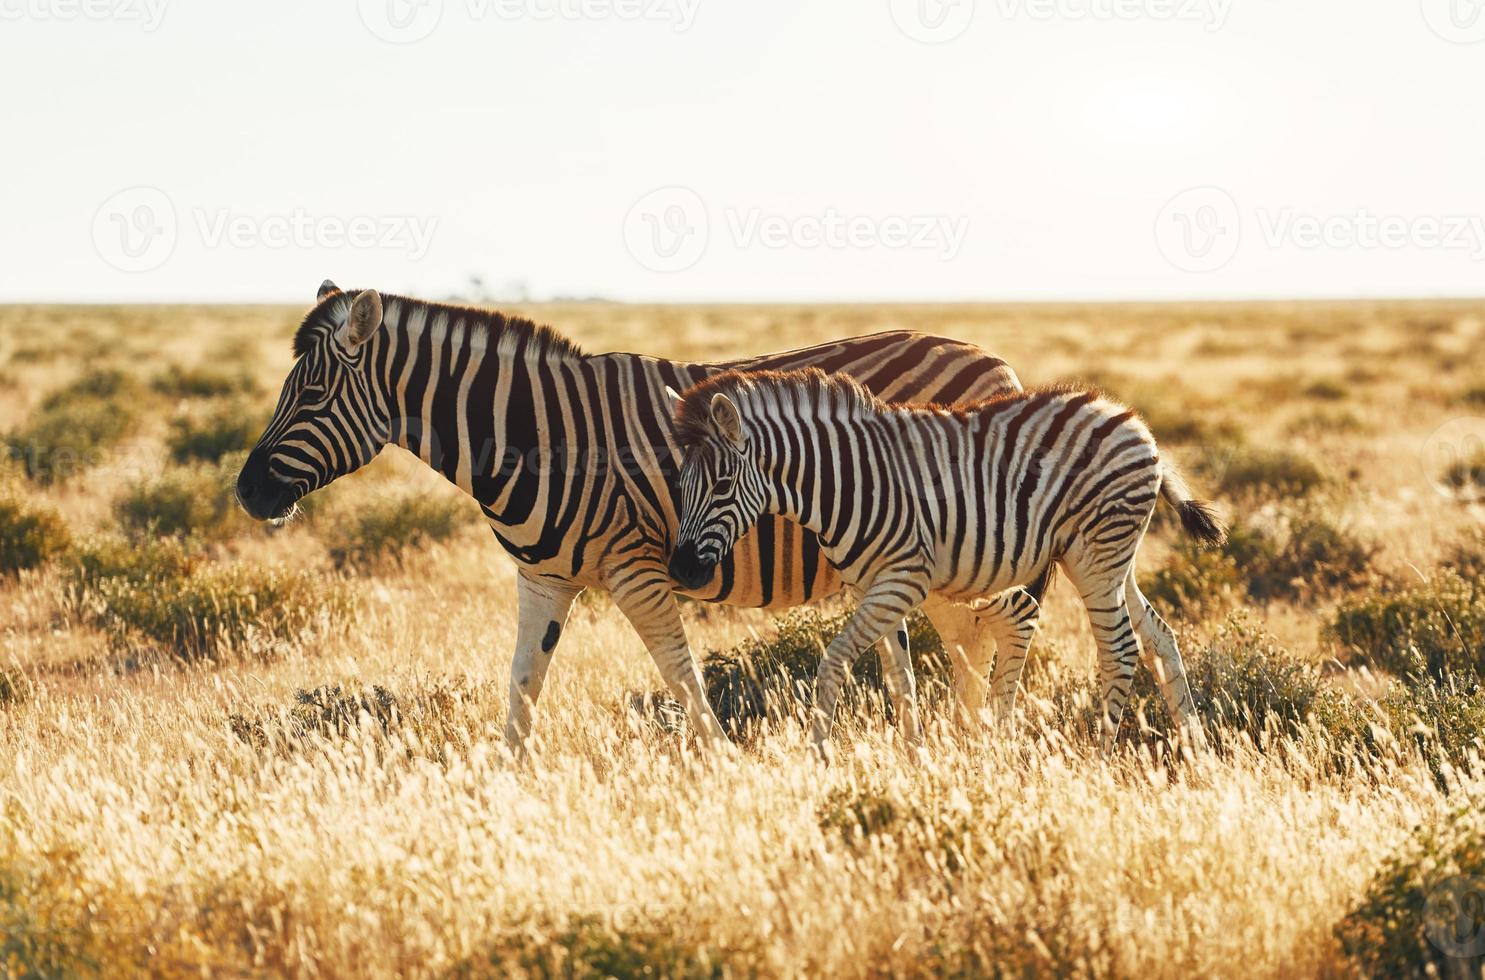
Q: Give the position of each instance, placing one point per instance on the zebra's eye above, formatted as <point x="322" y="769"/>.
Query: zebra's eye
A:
<point x="723" y="486"/>
<point x="313" y="392"/>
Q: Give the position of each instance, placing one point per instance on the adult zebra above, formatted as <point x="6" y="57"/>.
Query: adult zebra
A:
<point x="573" y="459"/>
<point x="953" y="503"/>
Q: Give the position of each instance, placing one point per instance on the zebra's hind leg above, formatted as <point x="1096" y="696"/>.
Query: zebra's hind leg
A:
<point x="541" y="613"/>
<point x="1102" y="589"/>
<point x="1163" y="657"/>
<point x="902" y="686"/>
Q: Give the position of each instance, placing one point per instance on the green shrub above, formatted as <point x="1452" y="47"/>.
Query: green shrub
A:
<point x="1315" y="557"/>
<point x="1244" y="471"/>
<point x="388" y="528"/>
<point x="221" y="430"/>
<point x="29" y="536"/>
<point x="1465" y="557"/>
<point x="202" y="382"/>
<point x="764" y="680"/>
<point x="181" y="500"/>
<point x="1318" y="557"/>
<point x="1466" y="477"/>
<point x="74" y="426"/>
<point x="441" y="716"/>
<point x="1244" y="684"/>
<point x="588" y="948"/>
<point x="1444" y="722"/>
<point x="1421" y="914"/>
<point x="159" y="594"/>
<point x="940" y="827"/>
<point x="1432" y="630"/>
<point x="15" y="688"/>
<point x="33" y="942"/>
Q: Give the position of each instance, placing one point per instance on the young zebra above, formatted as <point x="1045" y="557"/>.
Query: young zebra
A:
<point x="919" y="501"/>
<point x="573" y="459"/>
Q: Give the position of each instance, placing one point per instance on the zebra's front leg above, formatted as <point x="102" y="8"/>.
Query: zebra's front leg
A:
<point x="1012" y="618"/>
<point x="642" y="591"/>
<point x="541" y="615"/>
<point x="884" y="605"/>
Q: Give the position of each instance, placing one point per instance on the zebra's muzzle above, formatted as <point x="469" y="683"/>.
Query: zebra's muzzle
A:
<point x="262" y="495"/>
<point x="687" y="568"/>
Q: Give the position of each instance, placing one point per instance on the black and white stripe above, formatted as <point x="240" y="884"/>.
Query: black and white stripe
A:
<point x="572" y="456"/>
<point x="920" y="503"/>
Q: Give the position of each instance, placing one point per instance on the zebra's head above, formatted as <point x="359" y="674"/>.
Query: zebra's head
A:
<point x="328" y="422"/>
<point x="722" y="487"/>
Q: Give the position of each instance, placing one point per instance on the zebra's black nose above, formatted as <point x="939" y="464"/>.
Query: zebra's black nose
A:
<point x="687" y="569"/>
<point x="261" y="494"/>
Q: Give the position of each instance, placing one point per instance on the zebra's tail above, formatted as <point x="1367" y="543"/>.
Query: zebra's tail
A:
<point x="1197" y="516"/>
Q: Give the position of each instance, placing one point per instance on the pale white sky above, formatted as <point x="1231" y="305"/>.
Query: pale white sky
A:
<point x="742" y="149"/>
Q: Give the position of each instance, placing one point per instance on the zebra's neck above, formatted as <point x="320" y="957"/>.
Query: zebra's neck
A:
<point x="820" y="464"/>
<point x="461" y="388"/>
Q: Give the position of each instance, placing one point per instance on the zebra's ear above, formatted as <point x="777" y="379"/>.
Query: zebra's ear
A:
<point x="326" y="288"/>
<point x="674" y="397"/>
<point x="362" y="321"/>
<point x="728" y="420"/>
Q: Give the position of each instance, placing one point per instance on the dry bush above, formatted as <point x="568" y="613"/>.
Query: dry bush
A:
<point x="30" y="536"/>
<point x="1420" y="916"/>
<point x="180" y="500"/>
<point x="1466" y="477"/>
<point x="164" y="596"/>
<point x="1309" y="556"/>
<point x="75" y="426"/>
<point x="203" y="382"/>
<point x="591" y="948"/>
<point x="210" y="433"/>
<point x="763" y="681"/>
<point x="1432" y="630"/>
<point x="1246" y="472"/>
<point x="384" y="528"/>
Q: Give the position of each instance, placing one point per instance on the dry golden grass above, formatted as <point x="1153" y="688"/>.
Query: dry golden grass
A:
<point x="143" y="832"/>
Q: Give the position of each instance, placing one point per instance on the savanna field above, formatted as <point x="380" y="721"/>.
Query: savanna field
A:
<point x="237" y="750"/>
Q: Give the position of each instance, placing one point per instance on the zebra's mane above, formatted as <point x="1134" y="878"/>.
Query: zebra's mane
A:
<point x="501" y="329"/>
<point x="808" y="390"/>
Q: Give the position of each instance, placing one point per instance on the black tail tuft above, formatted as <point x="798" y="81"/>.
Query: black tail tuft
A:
<point x="1202" y="522"/>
